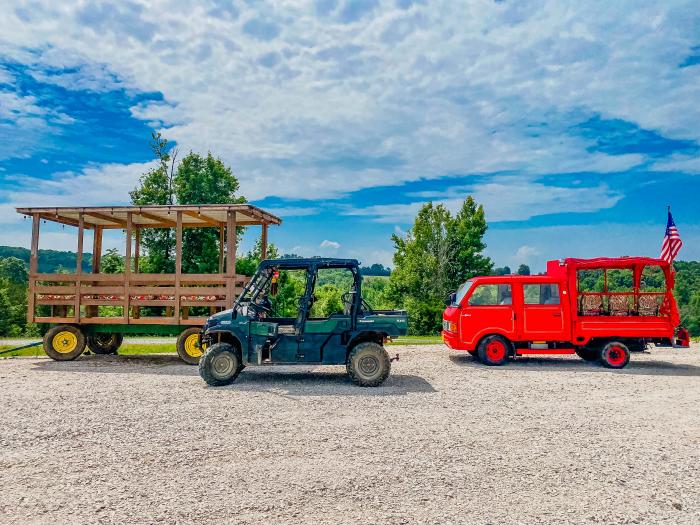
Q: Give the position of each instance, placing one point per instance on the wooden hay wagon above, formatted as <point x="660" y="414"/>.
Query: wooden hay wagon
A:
<point x="141" y="303"/>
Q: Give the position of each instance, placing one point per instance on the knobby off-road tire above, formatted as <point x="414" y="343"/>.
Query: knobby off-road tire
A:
<point x="220" y="364"/>
<point x="494" y="350"/>
<point x="368" y="364"/>
<point x="615" y="355"/>
<point x="104" y="343"/>
<point x="64" y="342"/>
<point x="188" y="346"/>
<point x="588" y="353"/>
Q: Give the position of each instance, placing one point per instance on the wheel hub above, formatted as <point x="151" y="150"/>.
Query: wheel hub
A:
<point x="495" y="351"/>
<point x="192" y="346"/>
<point x="223" y="366"/>
<point x="65" y="342"/>
<point x="368" y="365"/>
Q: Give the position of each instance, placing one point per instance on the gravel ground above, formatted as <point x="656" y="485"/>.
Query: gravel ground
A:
<point x="445" y="440"/>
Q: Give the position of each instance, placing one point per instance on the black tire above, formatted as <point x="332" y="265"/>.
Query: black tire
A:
<point x="188" y="346"/>
<point x="220" y="365"/>
<point x="588" y="353"/>
<point x="64" y="342"/>
<point x="104" y="343"/>
<point x="615" y="355"/>
<point x="368" y="364"/>
<point x="494" y="350"/>
<point x="639" y="345"/>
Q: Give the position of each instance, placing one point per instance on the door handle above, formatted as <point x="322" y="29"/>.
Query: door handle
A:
<point x="466" y="315"/>
<point x="557" y="314"/>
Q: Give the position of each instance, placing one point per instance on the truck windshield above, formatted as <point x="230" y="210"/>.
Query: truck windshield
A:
<point x="462" y="291"/>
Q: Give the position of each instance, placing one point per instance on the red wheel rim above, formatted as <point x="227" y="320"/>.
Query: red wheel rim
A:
<point x="495" y="350"/>
<point x="616" y="355"/>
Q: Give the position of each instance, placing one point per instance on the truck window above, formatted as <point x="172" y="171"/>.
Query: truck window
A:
<point x="546" y="293"/>
<point x="491" y="295"/>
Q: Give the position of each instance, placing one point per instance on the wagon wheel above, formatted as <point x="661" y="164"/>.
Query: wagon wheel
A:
<point x="189" y="347"/>
<point x="104" y="343"/>
<point x="64" y="342"/>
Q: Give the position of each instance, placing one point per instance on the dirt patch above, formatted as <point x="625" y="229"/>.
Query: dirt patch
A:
<point x="446" y="440"/>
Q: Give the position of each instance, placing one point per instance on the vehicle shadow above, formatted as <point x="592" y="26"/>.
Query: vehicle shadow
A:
<point x="559" y="364"/>
<point x="293" y="380"/>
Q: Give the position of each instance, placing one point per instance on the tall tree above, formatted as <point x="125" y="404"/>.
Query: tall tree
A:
<point x="203" y="180"/>
<point x="156" y="187"/>
<point x="439" y="252"/>
<point x="523" y="269"/>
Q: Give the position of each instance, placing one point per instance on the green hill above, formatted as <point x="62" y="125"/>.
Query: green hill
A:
<point x="49" y="260"/>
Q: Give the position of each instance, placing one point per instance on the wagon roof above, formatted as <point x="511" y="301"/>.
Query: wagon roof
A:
<point x="615" y="262"/>
<point x="154" y="216"/>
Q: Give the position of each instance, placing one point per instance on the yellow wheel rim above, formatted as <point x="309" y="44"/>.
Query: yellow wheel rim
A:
<point x="192" y="346"/>
<point x="64" y="342"/>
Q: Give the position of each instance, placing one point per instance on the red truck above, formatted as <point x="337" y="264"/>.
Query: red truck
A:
<point x="600" y="309"/>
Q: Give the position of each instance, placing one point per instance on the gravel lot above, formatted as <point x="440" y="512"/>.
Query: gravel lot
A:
<point x="446" y="440"/>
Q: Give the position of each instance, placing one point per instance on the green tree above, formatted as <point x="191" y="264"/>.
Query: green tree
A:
<point x="502" y="271"/>
<point x="156" y="187"/>
<point x="112" y="262"/>
<point x="203" y="180"/>
<point x="523" y="269"/>
<point x="438" y="253"/>
<point x="14" y="270"/>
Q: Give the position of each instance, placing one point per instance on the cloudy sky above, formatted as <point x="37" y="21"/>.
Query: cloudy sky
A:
<point x="574" y="123"/>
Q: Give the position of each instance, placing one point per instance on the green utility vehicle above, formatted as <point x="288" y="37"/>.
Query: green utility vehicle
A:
<point x="276" y="320"/>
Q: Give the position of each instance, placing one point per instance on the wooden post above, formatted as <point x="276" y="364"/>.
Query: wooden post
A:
<point x="127" y="266"/>
<point x="96" y="249"/>
<point x="137" y="251"/>
<point x="222" y="240"/>
<point x="33" y="267"/>
<point x="79" y="266"/>
<point x="231" y="256"/>
<point x="178" y="264"/>
<point x="93" y="310"/>
<point x="264" y="241"/>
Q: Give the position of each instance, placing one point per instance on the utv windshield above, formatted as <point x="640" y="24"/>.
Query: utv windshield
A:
<point x="462" y="291"/>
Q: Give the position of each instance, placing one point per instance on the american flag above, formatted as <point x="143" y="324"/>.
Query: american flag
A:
<point x="672" y="241"/>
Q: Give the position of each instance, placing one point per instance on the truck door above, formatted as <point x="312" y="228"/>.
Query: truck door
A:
<point x="489" y="309"/>
<point x="545" y="314"/>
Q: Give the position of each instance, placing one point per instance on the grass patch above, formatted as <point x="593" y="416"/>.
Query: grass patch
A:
<point x="127" y="349"/>
<point x="417" y="340"/>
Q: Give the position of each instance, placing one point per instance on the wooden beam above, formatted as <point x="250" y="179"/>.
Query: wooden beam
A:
<point x="137" y="250"/>
<point x="168" y="223"/>
<point x="230" y="256"/>
<point x="222" y="240"/>
<point x="97" y="249"/>
<point x="108" y="218"/>
<point x="264" y="241"/>
<point x="33" y="267"/>
<point x="127" y="266"/>
<point x="202" y="217"/>
<point x="178" y="263"/>
<point x="61" y="220"/>
<point x="79" y="266"/>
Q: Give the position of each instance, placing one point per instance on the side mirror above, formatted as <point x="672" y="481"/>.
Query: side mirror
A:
<point x="450" y="301"/>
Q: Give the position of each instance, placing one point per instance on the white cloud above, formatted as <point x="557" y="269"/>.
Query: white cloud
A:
<point x="525" y="254"/>
<point x="329" y="245"/>
<point x="505" y="198"/>
<point x="451" y="87"/>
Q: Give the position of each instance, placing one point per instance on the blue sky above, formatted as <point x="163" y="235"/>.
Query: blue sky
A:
<point x="574" y="126"/>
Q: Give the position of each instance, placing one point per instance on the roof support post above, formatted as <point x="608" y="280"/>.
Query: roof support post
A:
<point x="79" y="266"/>
<point x="222" y="240"/>
<point x="127" y="266"/>
<point x="33" y="267"/>
<point x="178" y="263"/>
<point x="264" y="241"/>
<point x="96" y="249"/>
<point x="231" y="256"/>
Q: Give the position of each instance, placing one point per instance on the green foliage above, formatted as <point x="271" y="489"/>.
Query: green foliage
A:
<point x="502" y="271"/>
<point x="439" y="252"/>
<point x="13" y="270"/>
<point x="197" y="179"/>
<point x="248" y="263"/>
<point x="112" y="262"/>
<point x="523" y="269"/>
<point x="290" y="287"/>
<point x="49" y="260"/>
<point x="375" y="270"/>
